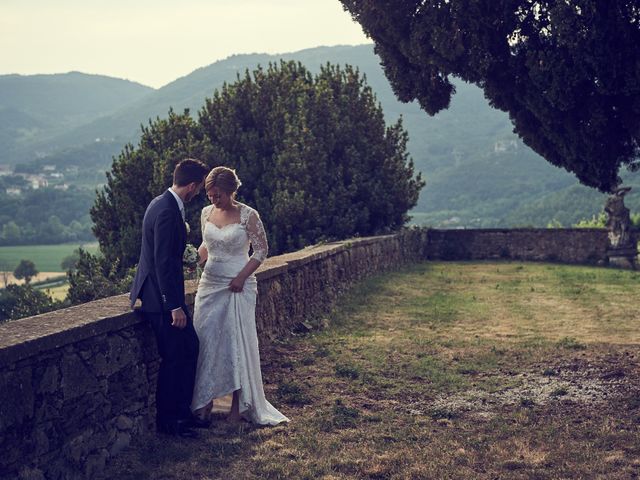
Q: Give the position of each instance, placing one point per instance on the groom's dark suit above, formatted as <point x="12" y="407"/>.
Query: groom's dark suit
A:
<point x="159" y="283"/>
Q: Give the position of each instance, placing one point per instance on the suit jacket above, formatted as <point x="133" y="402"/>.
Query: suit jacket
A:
<point x="159" y="280"/>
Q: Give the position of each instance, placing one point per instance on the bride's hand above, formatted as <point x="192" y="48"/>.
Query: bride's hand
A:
<point x="236" y="284"/>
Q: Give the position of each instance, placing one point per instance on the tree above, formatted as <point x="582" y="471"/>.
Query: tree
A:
<point x="26" y="269"/>
<point x="314" y="154"/>
<point x="136" y="177"/>
<point x="70" y="261"/>
<point x="46" y="214"/>
<point x="565" y="71"/>
<point x="11" y="232"/>
<point x="600" y="221"/>
<point x="95" y="277"/>
<point x="52" y="231"/>
<point x="18" y="301"/>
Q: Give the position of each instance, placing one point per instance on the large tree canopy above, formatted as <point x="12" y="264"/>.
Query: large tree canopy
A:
<point x="566" y="71"/>
<point x="313" y="152"/>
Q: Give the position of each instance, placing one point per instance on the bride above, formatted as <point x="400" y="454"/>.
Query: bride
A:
<point x="224" y="315"/>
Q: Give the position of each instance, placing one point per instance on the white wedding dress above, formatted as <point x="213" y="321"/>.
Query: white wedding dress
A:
<point x="225" y="321"/>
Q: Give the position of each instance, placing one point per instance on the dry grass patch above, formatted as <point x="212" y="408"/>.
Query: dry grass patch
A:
<point x="443" y="370"/>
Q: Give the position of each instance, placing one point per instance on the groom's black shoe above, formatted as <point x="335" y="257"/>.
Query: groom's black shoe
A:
<point x="176" y="428"/>
<point x="196" y="422"/>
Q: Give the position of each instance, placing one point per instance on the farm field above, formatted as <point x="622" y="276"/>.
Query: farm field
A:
<point x="57" y="292"/>
<point x="47" y="258"/>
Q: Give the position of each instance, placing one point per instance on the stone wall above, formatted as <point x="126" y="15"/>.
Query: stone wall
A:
<point x="303" y="286"/>
<point x="78" y="383"/>
<point x="75" y="385"/>
<point x="564" y="245"/>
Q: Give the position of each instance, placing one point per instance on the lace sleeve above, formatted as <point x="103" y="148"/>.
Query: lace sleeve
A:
<point x="257" y="236"/>
<point x="203" y="221"/>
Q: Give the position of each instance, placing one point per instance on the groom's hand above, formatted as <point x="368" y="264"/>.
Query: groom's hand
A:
<point x="179" y="319"/>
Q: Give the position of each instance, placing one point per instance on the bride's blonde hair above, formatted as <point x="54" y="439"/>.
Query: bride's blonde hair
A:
<point x="224" y="178"/>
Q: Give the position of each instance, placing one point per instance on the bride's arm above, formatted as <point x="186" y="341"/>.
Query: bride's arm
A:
<point x="258" y="239"/>
<point x="203" y="253"/>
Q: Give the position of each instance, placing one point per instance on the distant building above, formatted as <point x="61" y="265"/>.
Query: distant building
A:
<point x="35" y="181"/>
<point x="62" y="186"/>
<point x="13" y="191"/>
<point x="49" y="168"/>
<point x="57" y="175"/>
<point x="5" y="170"/>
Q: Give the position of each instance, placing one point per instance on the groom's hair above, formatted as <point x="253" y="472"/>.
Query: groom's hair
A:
<point x="188" y="171"/>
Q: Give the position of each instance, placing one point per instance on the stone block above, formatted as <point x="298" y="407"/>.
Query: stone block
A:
<point x="77" y="379"/>
<point x="95" y="463"/>
<point x="79" y="413"/>
<point x="124" y="423"/>
<point x="50" y="380"/>
<point x="28" y="473"/>
<point x="48" y="408"/>
<point x="41" y="442"/>
<point x="122" y="353"/>
<point x="13" y="450"/>
<point x="122" y="441"/>
<point x="77" y="449"/>
<point x="16" y="397"/>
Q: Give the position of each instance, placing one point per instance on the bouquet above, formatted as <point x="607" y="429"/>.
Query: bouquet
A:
<point x="190" y="260"/>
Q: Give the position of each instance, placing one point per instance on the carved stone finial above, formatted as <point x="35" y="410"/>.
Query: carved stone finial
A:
<point x="619" y="220"/>
<point x="623" y="251"/>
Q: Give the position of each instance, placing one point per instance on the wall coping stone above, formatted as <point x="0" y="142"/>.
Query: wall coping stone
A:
<point x="30" y="336"/>
<point x="275" y="265"/>
<point x="520" y="229"/>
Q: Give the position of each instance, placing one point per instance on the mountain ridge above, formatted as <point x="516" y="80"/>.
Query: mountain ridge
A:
<point x="477" y="170"/>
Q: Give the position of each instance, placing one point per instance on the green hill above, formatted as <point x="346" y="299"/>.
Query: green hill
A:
<point x="478" y="173"/>
<point x="34" y="109"/>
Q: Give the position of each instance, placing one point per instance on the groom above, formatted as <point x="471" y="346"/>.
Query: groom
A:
<point x="159" y="283"/>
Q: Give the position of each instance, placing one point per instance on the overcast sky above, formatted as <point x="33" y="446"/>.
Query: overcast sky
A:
<point x="156" y="41"/>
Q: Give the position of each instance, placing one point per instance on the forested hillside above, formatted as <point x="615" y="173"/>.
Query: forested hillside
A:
<point x="478" y="173"/>
<point x="35" y="109"/>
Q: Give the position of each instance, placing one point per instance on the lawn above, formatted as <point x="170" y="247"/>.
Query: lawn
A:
<point x="442" y="370"/>
<point x="47" y="258"/>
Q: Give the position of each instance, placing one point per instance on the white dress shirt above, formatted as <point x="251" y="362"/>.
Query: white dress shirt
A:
<point x="180" y="202"/>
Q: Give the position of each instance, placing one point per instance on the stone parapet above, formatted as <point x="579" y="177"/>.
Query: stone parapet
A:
<point x="564" y="245"/>
<point x="77" y="384"/>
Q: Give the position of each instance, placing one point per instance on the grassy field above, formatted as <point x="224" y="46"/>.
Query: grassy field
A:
<point x="47" y="258"/>
<point x="58" y="292"/>
<point x="442" y="371"/>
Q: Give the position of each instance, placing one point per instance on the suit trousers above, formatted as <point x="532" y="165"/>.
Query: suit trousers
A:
<point x="178" y="349"/>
